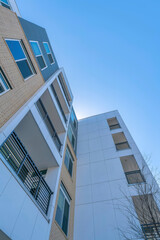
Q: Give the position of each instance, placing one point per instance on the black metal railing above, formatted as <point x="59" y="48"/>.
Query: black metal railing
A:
<point x="18" y="158"/>
<point x="122" y="145"/>
<point x="64" y="89"/>
<point x="151" y="231"/>
<point x="49" y="124"/>
<point x="134" y="177"/>
<point x="114" y="126"/>
<point x="58" y="102"/>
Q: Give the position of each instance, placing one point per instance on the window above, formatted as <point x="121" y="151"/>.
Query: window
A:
<point x="4" y="84"/>
<point x="5" y="3"/>
<point x="131" y="169"/>
<point x="74" y="119"/>
<point x="43" y="172"/>
<point x="69" y="161"/>
<point x="148" y="214"/>
<point x="71" y="137"/>
<point x="120" y="141"/>
<point x="37" y="51"/>
<point x="63" y="206"/>
<point x="134" y="177"/>
<point x="48" y="51"/>
<point x="151" y="231"/>
<point x="21" y="57"/>
<point x="113" y="123"/>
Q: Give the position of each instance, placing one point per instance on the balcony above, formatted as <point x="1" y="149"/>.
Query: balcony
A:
<point x="58" y="102"/>
<point x="64" y="87"/>
<point x="55" y="125"/>
<point x="25" y="169"/>
<point x="49" y="124"/>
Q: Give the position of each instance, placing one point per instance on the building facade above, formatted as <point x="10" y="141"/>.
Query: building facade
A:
<point x="111" y="173"/>
<point x="60" y="178"/>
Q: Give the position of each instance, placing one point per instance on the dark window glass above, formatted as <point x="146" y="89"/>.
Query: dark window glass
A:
<point x="65" y="218"/>
<point x="115" y="126"/>
<point x="16" y="49"/>
<point x="4" y="5"/>
<point x="68" y="161"/>
<point x="60" y="206"/>
<point x="134" y="177"/>
<point x="41" y="62"/>
<point x="73" y="141"/>
<point x="24" y="68"/>
<point x="50" y="58"/>
<point x="21" y="57"/>
<point x="122" y="145"/>
<point x="70" y="167"/>
<point x="62" y="213"/>
<point x="1" y="88"/>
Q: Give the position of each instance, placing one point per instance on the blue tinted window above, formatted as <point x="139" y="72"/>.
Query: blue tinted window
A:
<point x="5" y="1"/>
<point x="16" y="49"/>
<point x="46" y="48"/>
<point x="72" y="116"/>
<point x="24" y="68"/>
<point x="35" y="48"/>
<point x="68" y="161"/>
<point x="62" y="213"/>
<point x="4" y="82"/>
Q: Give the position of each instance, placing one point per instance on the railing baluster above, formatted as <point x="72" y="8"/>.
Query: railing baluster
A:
<point x="27" y="171"/>
<point x="21" y="165"/>
<point x="38" y="187"/>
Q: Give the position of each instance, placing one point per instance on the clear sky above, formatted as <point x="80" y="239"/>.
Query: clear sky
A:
<point x="110" y="50"/>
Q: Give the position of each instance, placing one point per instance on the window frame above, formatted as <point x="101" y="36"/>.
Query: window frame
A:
<point x="41" y="55"/>
<point x="71" y="159"/>
<point x="6" y="5"/>
<point x="27" y="58"/>
<point x="70" y="127"/>
<point x="134" y="172"/>
<point x="49" y="53"/>
<point x="120" y="144"/>
<point x="68" y="199"/>
<point x="73" y="119"/>
<point x="6" y="81"/>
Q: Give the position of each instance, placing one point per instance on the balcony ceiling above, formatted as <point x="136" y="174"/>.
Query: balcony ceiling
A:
<point x="34" y="142"/>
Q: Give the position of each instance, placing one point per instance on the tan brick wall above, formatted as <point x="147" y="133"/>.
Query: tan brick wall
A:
<point x="22" y="90"/>
<point x="70" y="184"/>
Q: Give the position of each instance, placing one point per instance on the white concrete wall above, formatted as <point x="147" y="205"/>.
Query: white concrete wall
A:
<point x="101" y="179"/>
<point x="20" y="218"/>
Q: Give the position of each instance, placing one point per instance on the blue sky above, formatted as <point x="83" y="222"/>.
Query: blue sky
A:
<point x="110" y="50"/>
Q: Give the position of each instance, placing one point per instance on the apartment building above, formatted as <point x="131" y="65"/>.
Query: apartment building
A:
<point x="60" y="178"/>
<point x="111" y="173"/>
<point x="38" y="162"/>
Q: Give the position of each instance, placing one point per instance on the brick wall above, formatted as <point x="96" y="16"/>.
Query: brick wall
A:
<point x="21" y="90"/>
